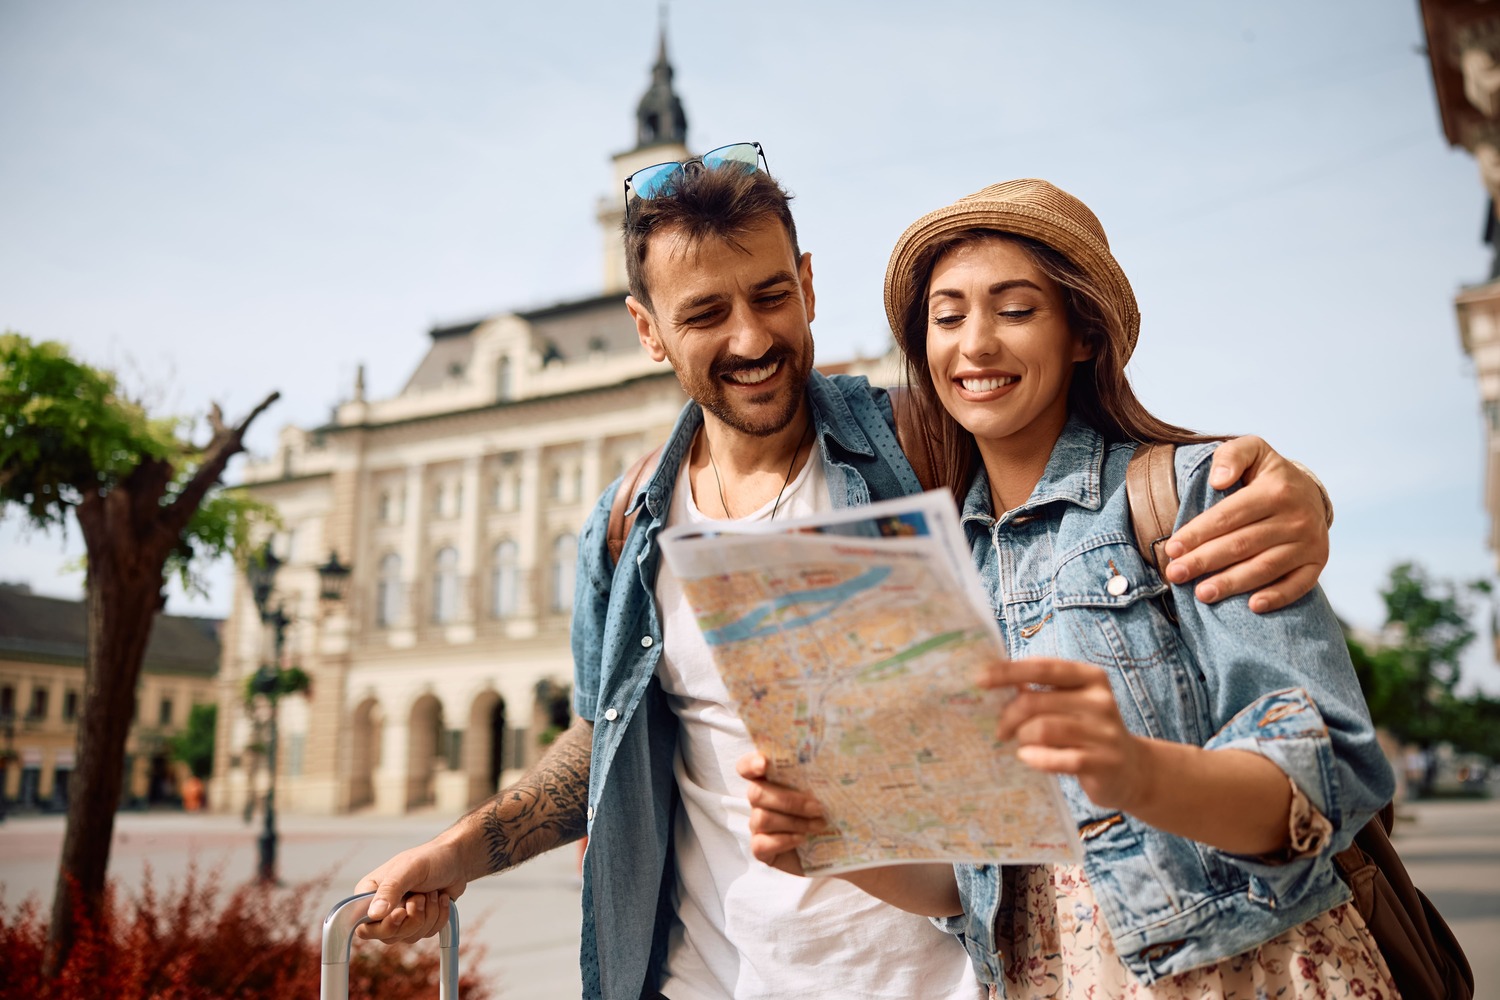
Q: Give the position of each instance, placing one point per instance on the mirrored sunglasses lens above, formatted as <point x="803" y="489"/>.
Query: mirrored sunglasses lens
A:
<point x="740" y="154"/>
<point x="651" y="182"/>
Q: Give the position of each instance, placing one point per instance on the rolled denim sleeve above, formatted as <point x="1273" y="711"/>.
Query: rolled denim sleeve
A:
<point x="1282" y="685"/>
<point x="591" y="605"/>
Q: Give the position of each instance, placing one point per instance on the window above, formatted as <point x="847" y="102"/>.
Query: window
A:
<point x="385" y="507"/>
<point x="445" y="586"/>
<point x="164" y="714"/>
<point x="38" y="710"/>
<point x="296" y="754"/>
<point x="70" y="706"/>
<point x="458" y="499"/>
<point x="439" y="500"/>
<point x="564" y="564"/>
<point x="504" y="580"/>
<point x="504" y="387"/>
<point x="7" y="702"/>
<point x="388" y="591"/>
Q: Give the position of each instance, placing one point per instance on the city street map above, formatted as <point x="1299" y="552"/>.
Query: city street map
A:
<point x="850" y="643"/>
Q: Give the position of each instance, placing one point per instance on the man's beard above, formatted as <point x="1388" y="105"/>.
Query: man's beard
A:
<point x="709" y="392"/>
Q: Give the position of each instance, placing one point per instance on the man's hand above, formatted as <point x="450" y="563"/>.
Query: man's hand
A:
<point x="1270" y="537"/>
<point x="413" y="892"/>
<point x="780" y="818"/>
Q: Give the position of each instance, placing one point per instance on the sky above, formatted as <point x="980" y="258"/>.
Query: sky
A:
<point x="220" y="200"/>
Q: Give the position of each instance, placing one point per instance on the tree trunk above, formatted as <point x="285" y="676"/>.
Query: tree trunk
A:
<point x="128" y="532"/>
<point x="123" y="597"/>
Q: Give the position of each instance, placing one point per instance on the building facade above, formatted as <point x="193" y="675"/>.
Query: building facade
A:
<point x="1463" y="47"/>
<point x="42" y="649"/>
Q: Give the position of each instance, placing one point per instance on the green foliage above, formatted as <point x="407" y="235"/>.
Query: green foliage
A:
<point x="221" y="525"/>
<point x="277" y="684"/>
<point x="194" y="746"/>
<point x="1430" y="623"/>
<point x="1409" y="682"/>
<point x="65" y="429"/>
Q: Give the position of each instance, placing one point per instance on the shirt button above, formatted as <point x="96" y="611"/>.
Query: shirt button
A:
<point x="1117" y="585"/>
<point x="591" y="814"/>
<point x="610" y="715"/>
<point x="646" y="641"/>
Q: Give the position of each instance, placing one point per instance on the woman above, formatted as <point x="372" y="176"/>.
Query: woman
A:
<point x="1215" y="762"/>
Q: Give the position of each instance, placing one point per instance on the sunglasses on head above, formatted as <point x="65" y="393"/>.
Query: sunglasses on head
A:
<point x="659" y="178"/>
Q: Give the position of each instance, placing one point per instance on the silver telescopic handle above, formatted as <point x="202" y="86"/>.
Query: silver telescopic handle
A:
<point x="338" y="936"/>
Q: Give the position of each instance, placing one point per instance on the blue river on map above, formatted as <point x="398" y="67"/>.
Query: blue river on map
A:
<point x="752" y="625"/>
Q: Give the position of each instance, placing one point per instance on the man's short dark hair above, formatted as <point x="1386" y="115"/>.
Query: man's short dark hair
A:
<point x="724" y="203"/>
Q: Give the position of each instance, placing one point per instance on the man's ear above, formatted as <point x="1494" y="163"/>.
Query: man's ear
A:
<point x="804" y="276"/>
<point x="645" y="328"/>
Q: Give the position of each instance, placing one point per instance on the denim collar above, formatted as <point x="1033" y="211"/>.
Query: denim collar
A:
<point x="1072" y="475"/>
<point x="833" y="423"/>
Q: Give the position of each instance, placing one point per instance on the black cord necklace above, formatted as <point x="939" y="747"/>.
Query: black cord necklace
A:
<point x="784" y="483"/>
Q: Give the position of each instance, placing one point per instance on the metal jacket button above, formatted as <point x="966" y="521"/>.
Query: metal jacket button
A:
<point x="610" y="715"/>
<point x="646" y="641"/>
<point x="1117" y="585"/>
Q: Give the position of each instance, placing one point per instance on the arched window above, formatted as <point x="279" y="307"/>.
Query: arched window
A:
<point x="445" y="586"/>
<point x="388" y="591"/>
<point x="564" y="564"/>
<point x="505" y="580"/>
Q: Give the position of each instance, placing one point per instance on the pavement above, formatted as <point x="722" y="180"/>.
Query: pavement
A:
<point x="528" y="919"/>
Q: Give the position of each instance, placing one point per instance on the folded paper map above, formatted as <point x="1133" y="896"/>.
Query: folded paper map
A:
<point x="850" y="643"/>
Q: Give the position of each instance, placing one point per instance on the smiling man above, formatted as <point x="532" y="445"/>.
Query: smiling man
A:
<point x="673" y="904"/>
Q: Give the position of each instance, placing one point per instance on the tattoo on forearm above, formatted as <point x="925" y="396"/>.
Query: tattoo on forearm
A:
<point x="547" y="807"/>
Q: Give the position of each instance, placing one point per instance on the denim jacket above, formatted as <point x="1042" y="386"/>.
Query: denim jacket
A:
<point x="627" y="881"/>
<point x="1280" y="685"/>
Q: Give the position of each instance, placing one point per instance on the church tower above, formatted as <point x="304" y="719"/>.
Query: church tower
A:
<point x="661" y="136"/>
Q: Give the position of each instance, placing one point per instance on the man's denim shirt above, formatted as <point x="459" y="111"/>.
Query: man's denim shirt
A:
<point x="627" y="881"/>
<point x="1280" y="685"/>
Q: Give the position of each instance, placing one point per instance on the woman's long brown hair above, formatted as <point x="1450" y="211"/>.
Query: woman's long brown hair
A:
<point x="1099" y="392"/>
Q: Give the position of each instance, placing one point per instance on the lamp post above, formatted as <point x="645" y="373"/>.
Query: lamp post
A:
<point x="261" y="572"/>
<point x="333" y="584"/>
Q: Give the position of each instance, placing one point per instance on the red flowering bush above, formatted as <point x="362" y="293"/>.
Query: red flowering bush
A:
<point x="184" y="945"/>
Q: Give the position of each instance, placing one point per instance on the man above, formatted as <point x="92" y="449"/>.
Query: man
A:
<point x="673" y="904"/>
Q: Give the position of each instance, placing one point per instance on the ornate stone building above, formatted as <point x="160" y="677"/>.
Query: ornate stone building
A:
<point x="457" y="502"/>
<point x="1463" y="46"/>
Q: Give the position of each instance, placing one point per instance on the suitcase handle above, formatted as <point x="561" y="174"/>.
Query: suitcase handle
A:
<point x="338" y="936"/>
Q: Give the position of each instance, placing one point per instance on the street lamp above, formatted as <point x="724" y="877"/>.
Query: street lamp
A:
<point x="261" y="572"/>
<point x="333" y="585"/>
<point x="333" y="578"/>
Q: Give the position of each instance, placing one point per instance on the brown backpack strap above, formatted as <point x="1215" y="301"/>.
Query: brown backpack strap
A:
<point x="1151" y="490"/>
<point x="913" y="436"/>
<point x="620" y="523"/>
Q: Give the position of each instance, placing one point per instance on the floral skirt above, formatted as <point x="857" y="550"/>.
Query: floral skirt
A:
<point x="1059" y="947"/>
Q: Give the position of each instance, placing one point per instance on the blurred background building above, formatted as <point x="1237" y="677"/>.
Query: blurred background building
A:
<point x="42" y="643"/>
<point x="1463" y="47"/>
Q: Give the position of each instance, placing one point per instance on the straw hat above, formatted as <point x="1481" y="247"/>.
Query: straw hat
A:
<point x="1028" y="207"/>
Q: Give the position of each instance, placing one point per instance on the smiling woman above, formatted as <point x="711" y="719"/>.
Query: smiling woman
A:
<point x="1016" y="322"/>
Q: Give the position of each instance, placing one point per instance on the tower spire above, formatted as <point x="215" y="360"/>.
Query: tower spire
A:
<point x="659" y="117"/>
